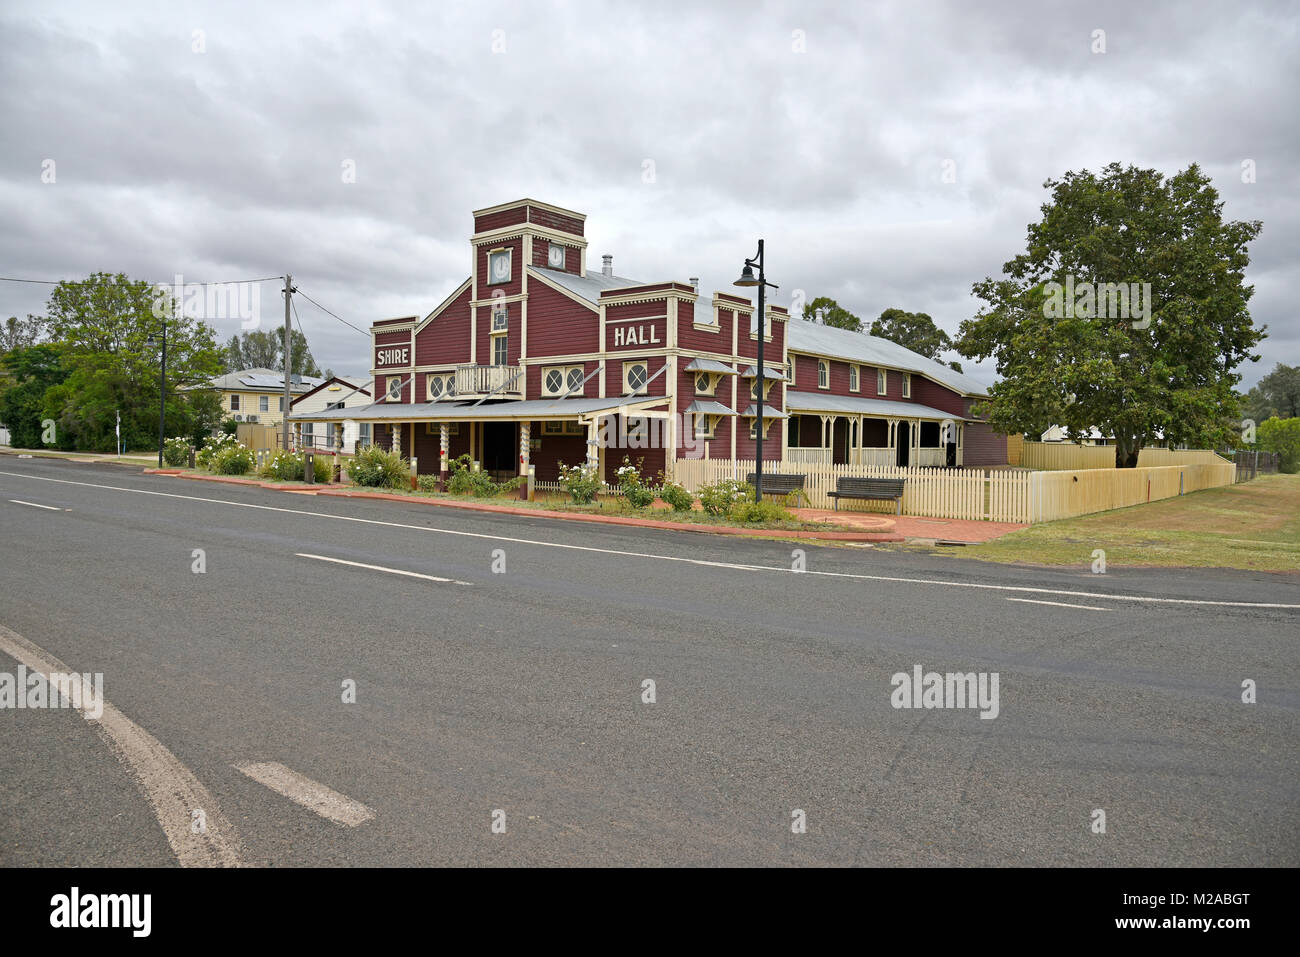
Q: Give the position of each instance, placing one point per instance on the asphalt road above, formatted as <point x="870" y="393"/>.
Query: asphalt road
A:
<point x="521" y="690"/>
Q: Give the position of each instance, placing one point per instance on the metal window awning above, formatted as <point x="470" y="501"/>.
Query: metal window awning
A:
<point x="768" y="413"/>
<point x="700" y="407"/>
<point x="768" y="373"/>
<point x="709" y="365"/>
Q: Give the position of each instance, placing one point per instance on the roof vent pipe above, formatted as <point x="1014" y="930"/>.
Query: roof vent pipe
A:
<point x="607" y="265"/>
<point x="695" y="284"/>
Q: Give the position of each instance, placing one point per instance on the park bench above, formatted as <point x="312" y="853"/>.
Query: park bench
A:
<point x="868" y="488"/>
<point x="776" y="483"/>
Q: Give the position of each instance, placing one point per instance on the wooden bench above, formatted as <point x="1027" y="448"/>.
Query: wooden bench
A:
<point x="868" y="488"/>
<point x="776" y="483"/>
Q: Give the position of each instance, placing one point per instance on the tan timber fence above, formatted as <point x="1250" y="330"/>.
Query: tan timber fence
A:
<point x="257" y="437"/>
<point x="1065" y="494"/>
<point x="1067" y="455"/>
<point x="998" y="495"/>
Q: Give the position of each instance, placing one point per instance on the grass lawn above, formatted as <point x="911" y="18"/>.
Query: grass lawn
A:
<point x="1254" y="525"/>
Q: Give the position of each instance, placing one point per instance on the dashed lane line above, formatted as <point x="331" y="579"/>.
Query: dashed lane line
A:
<point x="382" y="568"/>
<point x="313" y="795"/>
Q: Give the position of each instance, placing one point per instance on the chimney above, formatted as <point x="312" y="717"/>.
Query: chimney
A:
<point x="695" y="284"/>
<point x="607" y="265"/>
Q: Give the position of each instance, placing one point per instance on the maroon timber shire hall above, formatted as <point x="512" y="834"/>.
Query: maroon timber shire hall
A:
<point x="534" y="360"/>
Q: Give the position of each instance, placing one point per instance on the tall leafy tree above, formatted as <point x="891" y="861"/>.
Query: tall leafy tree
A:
<point x="915" y="331"/>
<point x="1168" y="373"/>
<point x="1282" y="436"/>
<point x="265" y="350"/>
<point x="18" y="333"/>
<point x="1278" y="393"/>
<point x="103" y="325"/>
<point x="830" y="313"/>
<point x="29" y="372"/>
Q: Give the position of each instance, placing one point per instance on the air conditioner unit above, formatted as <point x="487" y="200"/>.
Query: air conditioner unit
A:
<point x="239" y="417"/>
<point x="500" y="319"/>
<point x="250" y="418"/>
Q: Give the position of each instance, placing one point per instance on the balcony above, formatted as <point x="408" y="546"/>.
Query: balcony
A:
<point x="474" y="381"/>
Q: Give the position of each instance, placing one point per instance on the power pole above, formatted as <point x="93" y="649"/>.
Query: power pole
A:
<point x="288" y="357"/>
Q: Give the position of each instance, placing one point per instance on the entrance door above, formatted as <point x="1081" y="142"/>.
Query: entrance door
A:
<point x="840" y="442"/>
<point x="500" y="448"/>
<point x="904" y="444"/>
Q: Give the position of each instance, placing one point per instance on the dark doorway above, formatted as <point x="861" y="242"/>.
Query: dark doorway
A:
<point x="840" y="442"/>
<point x="499" y="448"/>
<point x="904" y="431"/>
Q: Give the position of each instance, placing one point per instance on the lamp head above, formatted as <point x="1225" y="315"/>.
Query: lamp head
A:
<point x="747" y="277"/>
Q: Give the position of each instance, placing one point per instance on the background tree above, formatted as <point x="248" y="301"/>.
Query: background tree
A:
<point x="101" y="326"/>
<point x="915" y="331"/>
<point x="28" y="372"/>
<point x="1175" y="377"/>
<point x="265" y="350"/>
<point x="1282" y="436"/>
<point x="18" y="333"/>
<point x="830" y="313"/>
<point x="1278" y="393"/>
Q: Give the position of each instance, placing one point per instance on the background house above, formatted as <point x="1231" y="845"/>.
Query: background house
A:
<point x="257" y="395"/>
<point x="335" y="393"/>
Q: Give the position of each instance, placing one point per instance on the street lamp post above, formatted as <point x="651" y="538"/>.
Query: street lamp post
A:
<point x="162" y="388"/>
<point x="747" y="278"/>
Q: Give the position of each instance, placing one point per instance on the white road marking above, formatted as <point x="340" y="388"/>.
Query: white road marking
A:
<point x="326" y="802"/>
<point x="1060" y="604"/>
<point x="50" y="508"/>
<point x="381" y="568"/>
<point x="673" y="558"/>
<point x="173" y="792"/>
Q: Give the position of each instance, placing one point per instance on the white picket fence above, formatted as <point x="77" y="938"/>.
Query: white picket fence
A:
<point x="997" y="495"/>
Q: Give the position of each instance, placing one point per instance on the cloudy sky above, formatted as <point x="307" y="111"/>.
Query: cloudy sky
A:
<point x="212" y="141"/>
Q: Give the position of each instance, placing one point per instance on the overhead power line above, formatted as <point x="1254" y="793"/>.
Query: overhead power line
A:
<point x="328" y="313"/>
<point x="84" y="282"/>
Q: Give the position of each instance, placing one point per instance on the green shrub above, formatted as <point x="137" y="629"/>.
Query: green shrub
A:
<point x="765" y="511"/>
<point x="426" y="483"/>
<point x="379" y="468"/>
<point x="323" y="466"/>
<point x="284" y="467"/>
<point x="722" y="497"/>
<point x="234" y="460"/>
<point x="637" y="492"/>
<point x="675" y="495"/>
<point x="229" y="426"/>
<point x="213" y="447"/>
<point x="176" y="451"/>
<point x="581" y="482"/>
<point x="463" y="480"/>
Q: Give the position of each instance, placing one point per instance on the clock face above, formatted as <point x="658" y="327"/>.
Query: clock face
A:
<point x="499" y="266"/>
<point x="555" y="256"/>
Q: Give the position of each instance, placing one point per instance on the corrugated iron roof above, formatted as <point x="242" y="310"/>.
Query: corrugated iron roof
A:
<point x="589" y="287"/>
<point x="806" y="336"/>
<point x="858" y="405"/>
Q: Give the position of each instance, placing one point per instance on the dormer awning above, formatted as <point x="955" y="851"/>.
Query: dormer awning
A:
<point x="768" y="413"/>
<point x="776" y="375"/>
<point x="709" y="365"/>
<point x="702" y="407"/>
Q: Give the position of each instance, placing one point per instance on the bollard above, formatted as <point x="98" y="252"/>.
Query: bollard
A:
<point x="532" y="477"/>
<point x="309" y="466"/>
<point x="415" y="470"/>
<point x="192" y="456"/>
